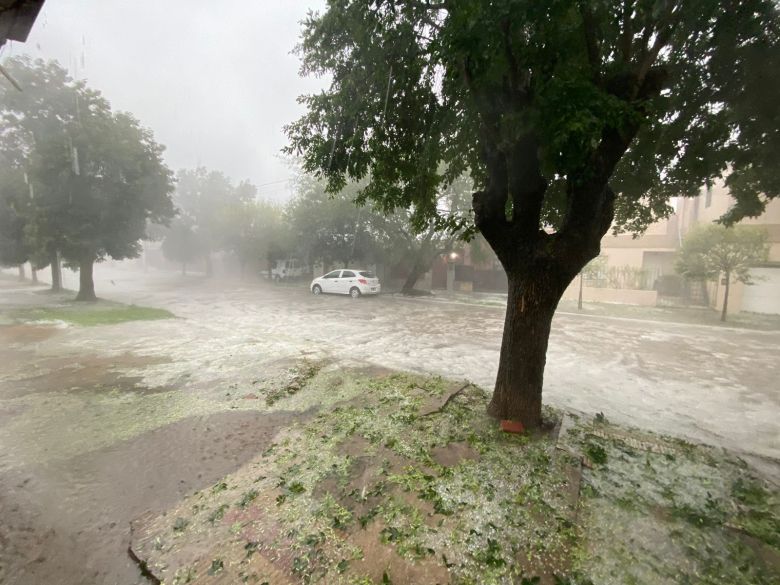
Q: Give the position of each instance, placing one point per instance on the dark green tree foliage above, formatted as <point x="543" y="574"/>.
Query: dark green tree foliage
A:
<point x="17" y="199"/>
<point x="98" y="177"/>
<point x="572" y="116"/>
<point x="711" y="250"/>
<point x="14" y="247"/>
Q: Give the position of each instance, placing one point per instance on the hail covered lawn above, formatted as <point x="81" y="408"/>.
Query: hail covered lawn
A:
<point x="100" y="424"/>
<point x="402" y="478"/>
<point x="89" y="314"/>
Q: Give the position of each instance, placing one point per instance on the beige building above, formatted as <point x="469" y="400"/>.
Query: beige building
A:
<point x="645" y="265"/>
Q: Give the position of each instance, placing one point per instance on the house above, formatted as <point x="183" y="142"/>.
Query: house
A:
<point x="651" y="258"/>
<point x="17" y="18"/>
<point x="639" y="270"/>
<point x="764" y="295"/>
<point x="472" y="267"/>
<point x="16" y="21"/>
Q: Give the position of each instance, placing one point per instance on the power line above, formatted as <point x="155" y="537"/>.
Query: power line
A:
<point x="273" y="183"/>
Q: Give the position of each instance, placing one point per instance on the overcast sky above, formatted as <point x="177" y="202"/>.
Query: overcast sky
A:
<point x="214" y="80"/>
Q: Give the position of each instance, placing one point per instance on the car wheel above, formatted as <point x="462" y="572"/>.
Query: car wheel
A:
<point x="316" y="289"/>
<point x="354" y="292"/>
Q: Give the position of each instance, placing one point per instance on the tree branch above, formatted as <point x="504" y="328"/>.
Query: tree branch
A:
<point x="518" y="89"/>
<point x="665" y="31"/>
<point x="527" y="186"/>
<point x="591" y="42"/>
<point x="591" y="200"/>
<point x="489" y="205"/>
<point x="627" y="33"/>
<point x="425" y="4"/>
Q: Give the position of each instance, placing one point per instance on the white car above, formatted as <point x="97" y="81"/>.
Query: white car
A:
<point x="347" y="282"/>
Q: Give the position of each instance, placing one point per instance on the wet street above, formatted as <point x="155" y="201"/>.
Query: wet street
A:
<point x="100" y="424"/>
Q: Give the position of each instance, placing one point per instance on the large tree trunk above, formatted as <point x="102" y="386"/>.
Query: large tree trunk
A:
<point x="22" y="275"/>
<point x="418" y="269"/>
<point x="34" y="274"/>
<point x="724" y="312"/>
<point x="86" y="283"/>
<point x="579" y="297"/>
<point x="539" y="265"/>
<point x="56" y="272"/>
<point x="529" y="312"/>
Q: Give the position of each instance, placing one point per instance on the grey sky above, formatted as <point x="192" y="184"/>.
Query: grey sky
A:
<point x="215" y="81"/>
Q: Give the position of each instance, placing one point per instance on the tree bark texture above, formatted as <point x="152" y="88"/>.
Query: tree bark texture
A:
<point x="724" y="312"/>
<point x="418" y="269"/>
<point x="56" y="272"/>
<point x="531" y="304"/>
<point x="86" y="282"/>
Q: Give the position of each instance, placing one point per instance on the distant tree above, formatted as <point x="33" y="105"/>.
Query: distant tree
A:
<point x="98" y="177"/>
<point x="251" y="230"/>
<point x="713" y="250"/>
<point x="329" y="228"/>
<point x="204" y="195"/>
<point x="17" y="244"/>
<point x="416" y="251"/>
<point x="571" y="116"/>
<point x="182" y="243"/>
<point x="14" y="196"/>
<point x="416" y="242"/>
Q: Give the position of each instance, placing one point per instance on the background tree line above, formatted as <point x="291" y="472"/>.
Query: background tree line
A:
<point x="315" y="227"/>
<point x="80" y="183"/>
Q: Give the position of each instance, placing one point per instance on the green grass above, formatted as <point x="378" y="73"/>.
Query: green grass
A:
<point x="364" y="474"/>
<point x="92" y="314"/>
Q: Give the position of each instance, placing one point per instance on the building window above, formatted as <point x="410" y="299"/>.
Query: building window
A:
<point x="708" y="196"/>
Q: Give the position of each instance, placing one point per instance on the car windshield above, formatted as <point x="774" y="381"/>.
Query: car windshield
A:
<point x="367" y="274"/>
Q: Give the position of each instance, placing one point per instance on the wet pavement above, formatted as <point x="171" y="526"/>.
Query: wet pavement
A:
<point x="99" y="424"/>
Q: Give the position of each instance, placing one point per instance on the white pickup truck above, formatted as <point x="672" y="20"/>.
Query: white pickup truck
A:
<point x="288" y="269"/>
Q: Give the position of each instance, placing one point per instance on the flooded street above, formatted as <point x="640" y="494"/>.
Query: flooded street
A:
<point x="101" y="424"/>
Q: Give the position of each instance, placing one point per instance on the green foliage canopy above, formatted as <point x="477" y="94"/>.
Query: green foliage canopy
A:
<point x="546" y="103"/>
<point x="97" y="177"/>
<point x="14" y="246"/>
<point x="711" y="250"/>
